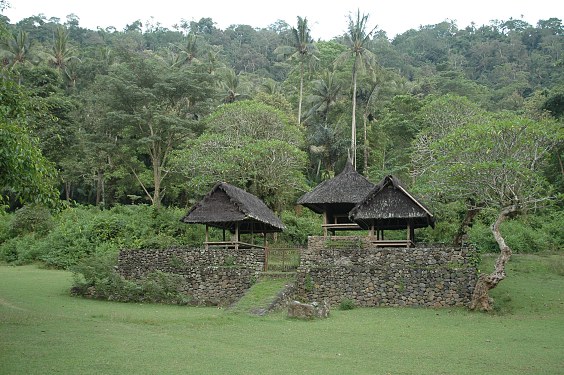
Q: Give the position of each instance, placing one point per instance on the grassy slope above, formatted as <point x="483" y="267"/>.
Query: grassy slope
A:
<point x="260" y="295"/>
<point x="43" y="330"/>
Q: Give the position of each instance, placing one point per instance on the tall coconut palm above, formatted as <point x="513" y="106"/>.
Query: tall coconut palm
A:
<point x="189" y="49"/>
<point x="324" y="93"/>
<point x="231" y="84"/>
<point x="367" y="96"/>
<point x="62" y="52"/>
<point x="357" y="37"/>
<point x="17" y="47"/>
<point x="303" y="50"/>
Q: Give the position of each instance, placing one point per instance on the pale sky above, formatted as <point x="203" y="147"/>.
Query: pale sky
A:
<point x="326" y="18"/>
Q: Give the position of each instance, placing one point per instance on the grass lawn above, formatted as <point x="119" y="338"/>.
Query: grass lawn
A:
<point x="45" y="331"/>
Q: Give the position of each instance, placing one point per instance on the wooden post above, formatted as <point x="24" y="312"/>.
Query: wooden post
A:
<point x="235" y="237"/>
<point x="408" y="234"/>
<point x="371" y="232"/>
<point x="325" y="219"/>
<point x="265" y="266"/>
<point x="207" y="237"/>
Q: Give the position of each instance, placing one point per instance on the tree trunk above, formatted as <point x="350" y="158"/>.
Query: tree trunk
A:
<point x="353" y="125"/>
<point x="68" y="191"/>
<point x="157" y="179"/>
<point x="561" y="165"/>
<point x="301" y="93"/>
<point x="365" y="169"/>
<point x="480" y="298"/>
<point x="468" y="220"/>
<point x="99" y="187"/>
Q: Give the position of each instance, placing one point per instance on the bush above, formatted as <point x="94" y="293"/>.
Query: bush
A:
<point x="32" y="219"/>
<point x="346" y="304"/>
<point x="5" y="225"/>
<point x="20" y="250"/>
<point x="96" y="277"/>
<point x="525" y="234"/>
<point x="300" y="225"/>
<point x="481" y="236"/>
<point x="448" y="219"/>
<point x="79" y="232"/>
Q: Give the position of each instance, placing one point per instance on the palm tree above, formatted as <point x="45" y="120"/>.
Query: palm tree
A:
<point x="367" y="97"/>
<point x="212" y="60"/>
<point x="270" y="86"/>
<point x="62" y="52"/>
<point x="17" y="47"/>
<point x="357" y="37"/>
<point x="303" y="50"/>
<point x="232" y="86"/>
<point x="189" y="49"/>
<point x="324" y="94"/>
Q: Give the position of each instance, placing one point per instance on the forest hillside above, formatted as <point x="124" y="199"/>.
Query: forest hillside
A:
<point x="156" y="116"/>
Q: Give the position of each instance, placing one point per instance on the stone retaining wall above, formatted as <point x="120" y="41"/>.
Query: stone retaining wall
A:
<point x="211" y="277"/>
<point x="339" y="268"/>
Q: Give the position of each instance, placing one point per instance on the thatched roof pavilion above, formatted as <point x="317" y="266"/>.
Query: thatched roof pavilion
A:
<point x="229" y="208"/>
<point x="334" y="198"/>
<point x="390" y="206"/>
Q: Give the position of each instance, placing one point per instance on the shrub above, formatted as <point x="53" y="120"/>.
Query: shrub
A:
<point x="79" y="232"/>
<point x="448" y="216"/>
<point x="20" y="250"/>
<point x="480" y="235"/>
<point x="162" y="287"/>
<point x="299" y="226"/>
<point x="106" y="228"/>
<point x="31" y="219"/>
<point x="525" y="234"/>
<point x="96" y="277"/>
<point x="346" y="304"/>
<point x="5" y="225"/>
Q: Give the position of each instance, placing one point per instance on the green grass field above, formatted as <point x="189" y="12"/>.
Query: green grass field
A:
<point x="45" y="331"/>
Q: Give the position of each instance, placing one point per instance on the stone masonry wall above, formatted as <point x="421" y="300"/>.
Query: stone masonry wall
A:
<point x="211" y="277"/>
<point x="338" y="268"/>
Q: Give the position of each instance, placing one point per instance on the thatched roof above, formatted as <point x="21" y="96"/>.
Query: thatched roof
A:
<point x="390" y="206"/>
<point x="225" y="206"/>
<point x="345" y="189"/>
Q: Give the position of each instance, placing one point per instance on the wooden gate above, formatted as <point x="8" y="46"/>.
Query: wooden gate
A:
<point x="282" y="259"/>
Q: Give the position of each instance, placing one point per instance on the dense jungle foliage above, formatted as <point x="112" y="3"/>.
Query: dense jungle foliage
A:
<point x="139" y="123"/>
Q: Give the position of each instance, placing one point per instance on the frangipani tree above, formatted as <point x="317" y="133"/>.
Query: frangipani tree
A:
<point x="494" y="164"/>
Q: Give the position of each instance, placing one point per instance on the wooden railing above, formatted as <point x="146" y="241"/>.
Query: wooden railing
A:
<point x="392" y="243"/>
<point x="335" y="227"/>
<point x="232" y="245"/>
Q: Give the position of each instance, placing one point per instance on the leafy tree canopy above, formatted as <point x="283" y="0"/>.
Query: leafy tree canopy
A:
<point x="24" y="172"/>
<point x="251" y="145"/>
